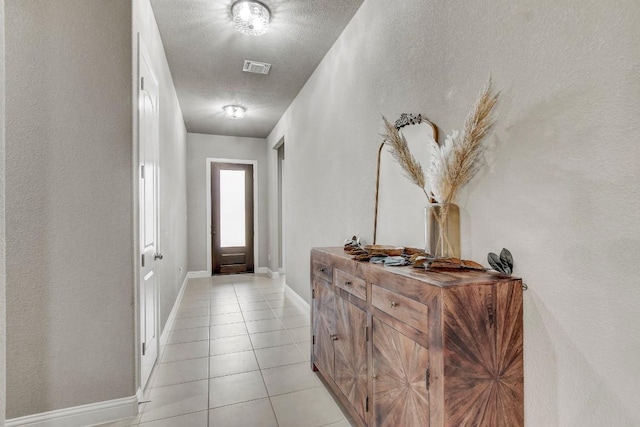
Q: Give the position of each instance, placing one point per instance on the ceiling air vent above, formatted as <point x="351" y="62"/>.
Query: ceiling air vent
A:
<point x="256" y="67"/>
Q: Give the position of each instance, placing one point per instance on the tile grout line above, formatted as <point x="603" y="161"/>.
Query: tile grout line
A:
<point x="321" y="384"/>
<point x="152" y="384"/>
<point x="273" y="410"/>
<point x="209" y="355"/>
<point x="256" y="290"/>
<point x="256" y="359"/>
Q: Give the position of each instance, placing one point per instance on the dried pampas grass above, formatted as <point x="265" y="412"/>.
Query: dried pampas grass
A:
<point x="400" y="151"/>
<point x="459" y="159"/>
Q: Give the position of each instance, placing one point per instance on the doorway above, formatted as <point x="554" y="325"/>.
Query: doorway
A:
<point x="280" y="148"/>
<point x="232" y="218"/>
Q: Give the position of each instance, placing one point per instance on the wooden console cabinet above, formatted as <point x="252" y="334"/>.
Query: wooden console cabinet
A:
<point x="402" y="347"/>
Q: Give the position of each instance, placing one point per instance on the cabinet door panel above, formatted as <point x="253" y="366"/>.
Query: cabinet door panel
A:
<point x="483" y="356"/>
<point x="400" y="395"/>
<point x="351" y="353"/>
<point x="324" y="313"/>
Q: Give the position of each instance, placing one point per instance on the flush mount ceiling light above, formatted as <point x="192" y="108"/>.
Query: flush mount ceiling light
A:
<point x="234" y="111"/>
<point x="251" y="17"/>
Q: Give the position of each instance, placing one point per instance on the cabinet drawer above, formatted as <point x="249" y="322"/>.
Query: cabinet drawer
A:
<point x="352" y="284"/>
<point x="322" y="270"/>
<point x="405" y="309"/>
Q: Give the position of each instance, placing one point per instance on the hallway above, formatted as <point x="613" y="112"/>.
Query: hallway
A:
<point x="238" y="355"/>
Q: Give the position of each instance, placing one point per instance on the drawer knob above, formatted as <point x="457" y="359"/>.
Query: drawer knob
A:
<point x="334" y="337"/>
<point x="393" y="304"/>
<point x="321" y="269"/>
<point x="374" y="377"/>
<point x="347" y="283"/>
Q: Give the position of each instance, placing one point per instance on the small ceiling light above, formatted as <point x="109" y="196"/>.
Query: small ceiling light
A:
<point x="234" y="111"/>
<point x="251" y="17"/>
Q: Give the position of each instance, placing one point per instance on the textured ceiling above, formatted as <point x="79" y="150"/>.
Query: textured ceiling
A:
<point x="206" y="55"/>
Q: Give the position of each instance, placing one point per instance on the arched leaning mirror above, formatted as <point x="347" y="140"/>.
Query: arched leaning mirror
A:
<point x="399" y="205"/>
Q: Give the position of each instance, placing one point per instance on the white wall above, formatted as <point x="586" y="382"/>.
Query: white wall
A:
<point x="172" y="269"/>
<point x="70" y="276"/>
<point x="561" y="190"/>
<point x="199" y="148"/>
<point x="70" y="314"/>
<point x="3" y="333"/>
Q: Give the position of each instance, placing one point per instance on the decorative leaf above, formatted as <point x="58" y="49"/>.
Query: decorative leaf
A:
<point x="472" y="265"/>
<point x="420" y="262"/>
<point x="506" y="258"/>
<point x="445" y="263"/>
<point x="495" y="263"/>
<point x="507" y="261"/>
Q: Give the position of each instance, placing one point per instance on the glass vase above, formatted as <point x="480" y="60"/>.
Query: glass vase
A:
<point x="442" y="230"/>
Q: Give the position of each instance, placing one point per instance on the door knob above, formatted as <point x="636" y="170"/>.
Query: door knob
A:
<point x="157" y="256"/>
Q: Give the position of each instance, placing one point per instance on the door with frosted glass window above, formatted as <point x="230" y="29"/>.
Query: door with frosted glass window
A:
<point x="232" y="218"/>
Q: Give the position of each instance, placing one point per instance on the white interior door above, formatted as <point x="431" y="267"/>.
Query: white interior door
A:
<point x="148" y="123"/>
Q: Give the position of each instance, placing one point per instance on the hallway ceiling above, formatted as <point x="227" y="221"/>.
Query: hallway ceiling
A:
<point x="206" y="55"/>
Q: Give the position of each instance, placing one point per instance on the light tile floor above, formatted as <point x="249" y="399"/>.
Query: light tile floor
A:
<point x="238" y="355"/>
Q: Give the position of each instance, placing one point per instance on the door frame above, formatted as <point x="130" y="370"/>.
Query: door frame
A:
<point x="281" y="204"/>
<point x="246" y="249"/>
<point x="256" y="209"/>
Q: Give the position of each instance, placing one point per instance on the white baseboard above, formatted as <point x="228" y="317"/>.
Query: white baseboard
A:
<point x="197" y="274"/>
<point x="81" y="416"/>
<point x="294" y="295"/>
<point x="268" y="272"/>
<point x="164" y="337"/>
<point x="259" y="270"/>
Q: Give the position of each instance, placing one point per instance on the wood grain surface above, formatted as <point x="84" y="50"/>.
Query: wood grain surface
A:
<point x="324" y="310"/>
<point x="400" y="395"/>
<point x="483" y="356"/>
<point x="352" y="284"/>
<point x="351" y="354"/>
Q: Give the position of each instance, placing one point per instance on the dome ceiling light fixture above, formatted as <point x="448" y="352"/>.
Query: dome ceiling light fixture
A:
<point x="235" y="112"/>
<point x="251" y="17"/>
